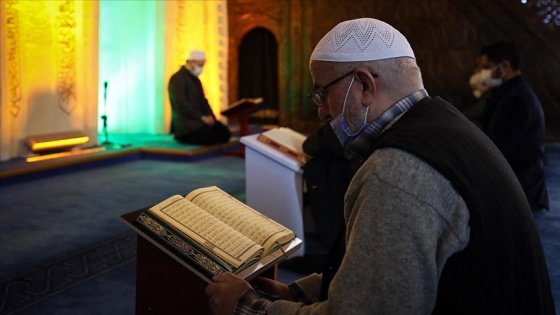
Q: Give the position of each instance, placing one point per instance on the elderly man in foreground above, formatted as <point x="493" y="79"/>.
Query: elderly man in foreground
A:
<point x="436" y="221"/>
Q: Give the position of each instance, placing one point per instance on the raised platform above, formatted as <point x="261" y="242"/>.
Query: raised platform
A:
<point x="120" y="146"/>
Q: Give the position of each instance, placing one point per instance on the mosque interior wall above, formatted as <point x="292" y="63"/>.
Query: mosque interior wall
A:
<point x="445" y="35"/>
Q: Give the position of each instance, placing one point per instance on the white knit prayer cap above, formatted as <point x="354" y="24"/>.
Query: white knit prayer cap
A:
<point x="196" y="55"/>
<point x="364" y="39"/>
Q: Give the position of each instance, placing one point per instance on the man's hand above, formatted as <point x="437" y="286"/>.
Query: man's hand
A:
<point x="224" y="293"/>
<point x="208" y="119"/>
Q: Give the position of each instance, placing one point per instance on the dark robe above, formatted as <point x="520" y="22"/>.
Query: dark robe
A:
<point x="188" y="106"/>
<point x="513" y="119"/>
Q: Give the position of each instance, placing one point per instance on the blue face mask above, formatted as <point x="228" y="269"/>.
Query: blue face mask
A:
<point x="340" y="127"/>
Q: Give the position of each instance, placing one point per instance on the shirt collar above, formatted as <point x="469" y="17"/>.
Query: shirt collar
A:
<point x="358" y="150"/>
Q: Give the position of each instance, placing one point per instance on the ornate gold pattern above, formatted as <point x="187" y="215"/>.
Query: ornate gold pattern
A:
<point x="66" y="77"/>
<point x="13" y="54"/>
<point x="180" y="31"/>
<point x="222" y="51"/>
<point x="191" y="252"/>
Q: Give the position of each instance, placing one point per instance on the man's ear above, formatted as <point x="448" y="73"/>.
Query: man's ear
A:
<point x="369" y="87"/>
<point x="506" y="65"/>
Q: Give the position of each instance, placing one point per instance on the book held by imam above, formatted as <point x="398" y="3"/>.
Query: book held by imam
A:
<point x="215" y="231"/>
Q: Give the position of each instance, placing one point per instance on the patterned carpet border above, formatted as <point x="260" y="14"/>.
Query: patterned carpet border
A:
<point x="40" y="283"/>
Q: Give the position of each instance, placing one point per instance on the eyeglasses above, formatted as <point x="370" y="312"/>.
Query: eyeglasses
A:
<point x="315" y="95"/>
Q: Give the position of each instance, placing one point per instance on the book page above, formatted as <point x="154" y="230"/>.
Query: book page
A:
<point x="242" y="104"/>
<point x="241" y="217"/>
<point x="207" y="230"/>
<point x="257" y="100"/>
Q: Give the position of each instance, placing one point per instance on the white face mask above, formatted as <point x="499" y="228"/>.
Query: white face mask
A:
<point x="495" y="82"/>
<point x="197" y="70"/>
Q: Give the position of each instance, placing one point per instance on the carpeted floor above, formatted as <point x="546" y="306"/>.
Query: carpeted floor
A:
<point x="59" y="231"/>
<point x="63" y="249"/>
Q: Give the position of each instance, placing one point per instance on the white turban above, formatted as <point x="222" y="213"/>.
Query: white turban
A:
<point x="196" y="55"/>
<point x="364" y="39"/>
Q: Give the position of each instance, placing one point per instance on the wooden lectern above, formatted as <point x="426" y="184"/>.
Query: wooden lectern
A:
<point x="240" y="111"/>
<point x="166" y="283"/>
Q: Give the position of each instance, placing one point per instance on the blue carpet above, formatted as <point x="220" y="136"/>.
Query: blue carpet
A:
<point x="548" y="223"/>
<point x="99" y="280"/>
<point x="63" y="249"/>
<point x="62" y="209"/>
<point x="44" y="219"/>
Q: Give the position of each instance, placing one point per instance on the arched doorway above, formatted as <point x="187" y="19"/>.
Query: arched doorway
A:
<point x="258" y="73"/>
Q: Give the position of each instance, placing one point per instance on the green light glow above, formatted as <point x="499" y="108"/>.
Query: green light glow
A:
<point x="131" y="61"/>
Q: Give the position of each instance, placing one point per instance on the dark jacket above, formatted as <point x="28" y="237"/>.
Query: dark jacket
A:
<point x="327" y="176"/>
<point x="188" y="103"/>
<point x="513" y="119"/>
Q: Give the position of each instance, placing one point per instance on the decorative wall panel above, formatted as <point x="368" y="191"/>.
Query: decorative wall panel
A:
<point x="41" y="83"/>
<point x="445" y="35"/>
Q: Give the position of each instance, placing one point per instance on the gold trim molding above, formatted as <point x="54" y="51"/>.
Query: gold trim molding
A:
<point x="66" y="76"/>
<point x="13" y="54"/>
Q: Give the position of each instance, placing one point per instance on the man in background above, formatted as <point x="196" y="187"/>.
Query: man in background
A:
<point x="192" y="119"/>
<point x="513" y="119"/>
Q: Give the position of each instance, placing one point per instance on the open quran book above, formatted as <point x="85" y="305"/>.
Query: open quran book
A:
<point x="216" y="232"/>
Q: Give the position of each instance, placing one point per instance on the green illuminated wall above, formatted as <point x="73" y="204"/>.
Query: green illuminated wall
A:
<point x="131" y="61"/>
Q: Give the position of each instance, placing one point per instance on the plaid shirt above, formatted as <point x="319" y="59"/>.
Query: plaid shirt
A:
<point x="252" y="303"/>
<point x="358" y="151"/>
<point x="257" y="302"/>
